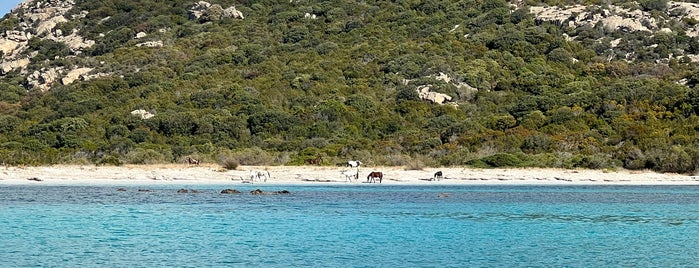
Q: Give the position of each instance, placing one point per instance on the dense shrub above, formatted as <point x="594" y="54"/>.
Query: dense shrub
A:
<point x="501" y="160"/>
<point x="278" y="86"/>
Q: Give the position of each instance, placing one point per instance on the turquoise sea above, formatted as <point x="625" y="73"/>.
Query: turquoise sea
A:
<point x="350" y="226"/>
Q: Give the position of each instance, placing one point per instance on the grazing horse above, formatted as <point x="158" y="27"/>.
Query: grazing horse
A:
<point x="349" y="175"/>
<point x="259" y="175"/>
<point x="314" y="161"/>
<point x="192" y="161"/>
<point x="438" y="176"/>
<point x="354" y="163"/>
<point x="373" y="175"/>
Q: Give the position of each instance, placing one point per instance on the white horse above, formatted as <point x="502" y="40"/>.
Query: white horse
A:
<point x="350" y="174"/>
<point x="354" y="163"/>
<point x="259" y="175"/>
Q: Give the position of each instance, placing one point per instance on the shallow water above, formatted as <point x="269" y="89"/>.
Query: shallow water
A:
<point x="350" y="226"/>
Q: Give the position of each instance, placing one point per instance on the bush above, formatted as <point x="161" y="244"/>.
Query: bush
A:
<point x="250" y="156"/>
<point x="415" y="165"/>
<point x="110" y="160"/>
<point x="144" y="156"/>
<point x="230" y="164"/>
<point x="502" y="160"/>
<point x="597" y="161"/>
<point x="673" y="159"/>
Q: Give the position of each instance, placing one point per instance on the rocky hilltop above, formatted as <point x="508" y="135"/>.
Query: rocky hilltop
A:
<point x="617" y="19"/>
<point x="40" y="18"/>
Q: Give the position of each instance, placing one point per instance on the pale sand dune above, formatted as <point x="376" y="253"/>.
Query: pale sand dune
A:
<point x="309" y="175"/>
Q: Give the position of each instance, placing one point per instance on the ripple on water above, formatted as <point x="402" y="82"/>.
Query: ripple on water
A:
<point x="349" y="226"/>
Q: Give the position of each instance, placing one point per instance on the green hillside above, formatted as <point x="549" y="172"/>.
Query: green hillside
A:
<point x="297" y="79"/>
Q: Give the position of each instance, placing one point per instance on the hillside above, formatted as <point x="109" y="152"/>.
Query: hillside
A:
<point x="419" y="83"/>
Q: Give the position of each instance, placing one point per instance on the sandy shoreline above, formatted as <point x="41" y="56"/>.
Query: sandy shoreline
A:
<point x="176" y="174"/>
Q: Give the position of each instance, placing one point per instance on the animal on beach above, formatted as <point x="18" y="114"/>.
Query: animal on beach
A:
<point x="354" y="163"/>
<point x="349" y="175"/>
<point x="192" y="161"/>
<point x="259" y="175"/>
<point x="314" y="161"/>
<point x="373" y="175"/>
<point x="438" y="176"/>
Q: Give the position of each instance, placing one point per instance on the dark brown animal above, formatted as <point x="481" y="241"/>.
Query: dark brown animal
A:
<point x="438" y="176"/>
<point x="373" y="175"/>
<point x="192" y="161"/>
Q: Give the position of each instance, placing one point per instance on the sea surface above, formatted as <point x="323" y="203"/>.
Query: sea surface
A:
<point x="350" y="226"/>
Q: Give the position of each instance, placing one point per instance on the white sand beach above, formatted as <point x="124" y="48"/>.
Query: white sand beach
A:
<point x="176" y="174"/>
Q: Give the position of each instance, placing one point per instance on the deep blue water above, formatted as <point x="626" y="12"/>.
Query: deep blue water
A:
<point x="350" y="226"/>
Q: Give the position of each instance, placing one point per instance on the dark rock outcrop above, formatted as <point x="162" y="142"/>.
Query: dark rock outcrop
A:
<point x="260" y="192"/>
<point x="230" y="191"/>
<point x="256" y="192"/>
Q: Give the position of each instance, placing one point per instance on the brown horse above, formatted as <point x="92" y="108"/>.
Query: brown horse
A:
<point x="314" y="161"/>
<point x="373" y="175"/>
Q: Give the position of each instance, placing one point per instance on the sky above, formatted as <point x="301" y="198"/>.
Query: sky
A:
<point x="7" y="5"/>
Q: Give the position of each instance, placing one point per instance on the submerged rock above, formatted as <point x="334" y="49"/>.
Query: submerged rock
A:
<point x="260" y="192"/>
<point x="256" y="192"/>
<point x="230" y="191"/>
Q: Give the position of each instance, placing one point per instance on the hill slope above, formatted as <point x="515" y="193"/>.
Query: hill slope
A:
<point x="486" y="83"/>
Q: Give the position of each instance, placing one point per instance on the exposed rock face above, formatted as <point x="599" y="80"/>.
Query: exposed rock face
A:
<point x="40" y="17"/>
<point x="310" y="16"/>
<point x="425" y="91"/>
<point x="8" y="66"/>
<point x="44" y="78"/>
<point x="438" y="98"/>
<point x="75" y="42"/>
<point x="444" y="77"/>
<point x="231" y="12"/>
<point x="204" y="11"/>
<point x="617" y="18"/>
<point x="150" y="44"/>
<point x="50" y="24"/>
<point x="8" y="46"/>
<point x="686" y="10"/>
<point x="142" y="113"/>
<point x="614" y="19"/>
<point x="12" y="43"/>
<point x="75" y="75"/>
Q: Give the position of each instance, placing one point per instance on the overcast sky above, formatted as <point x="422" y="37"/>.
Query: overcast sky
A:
<point x="7" y="5"/>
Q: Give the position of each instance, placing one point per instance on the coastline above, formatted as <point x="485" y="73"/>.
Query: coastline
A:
<point x="182" y="174"/>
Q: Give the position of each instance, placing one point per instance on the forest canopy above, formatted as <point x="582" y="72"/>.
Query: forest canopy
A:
<point x="338" y="79"/>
